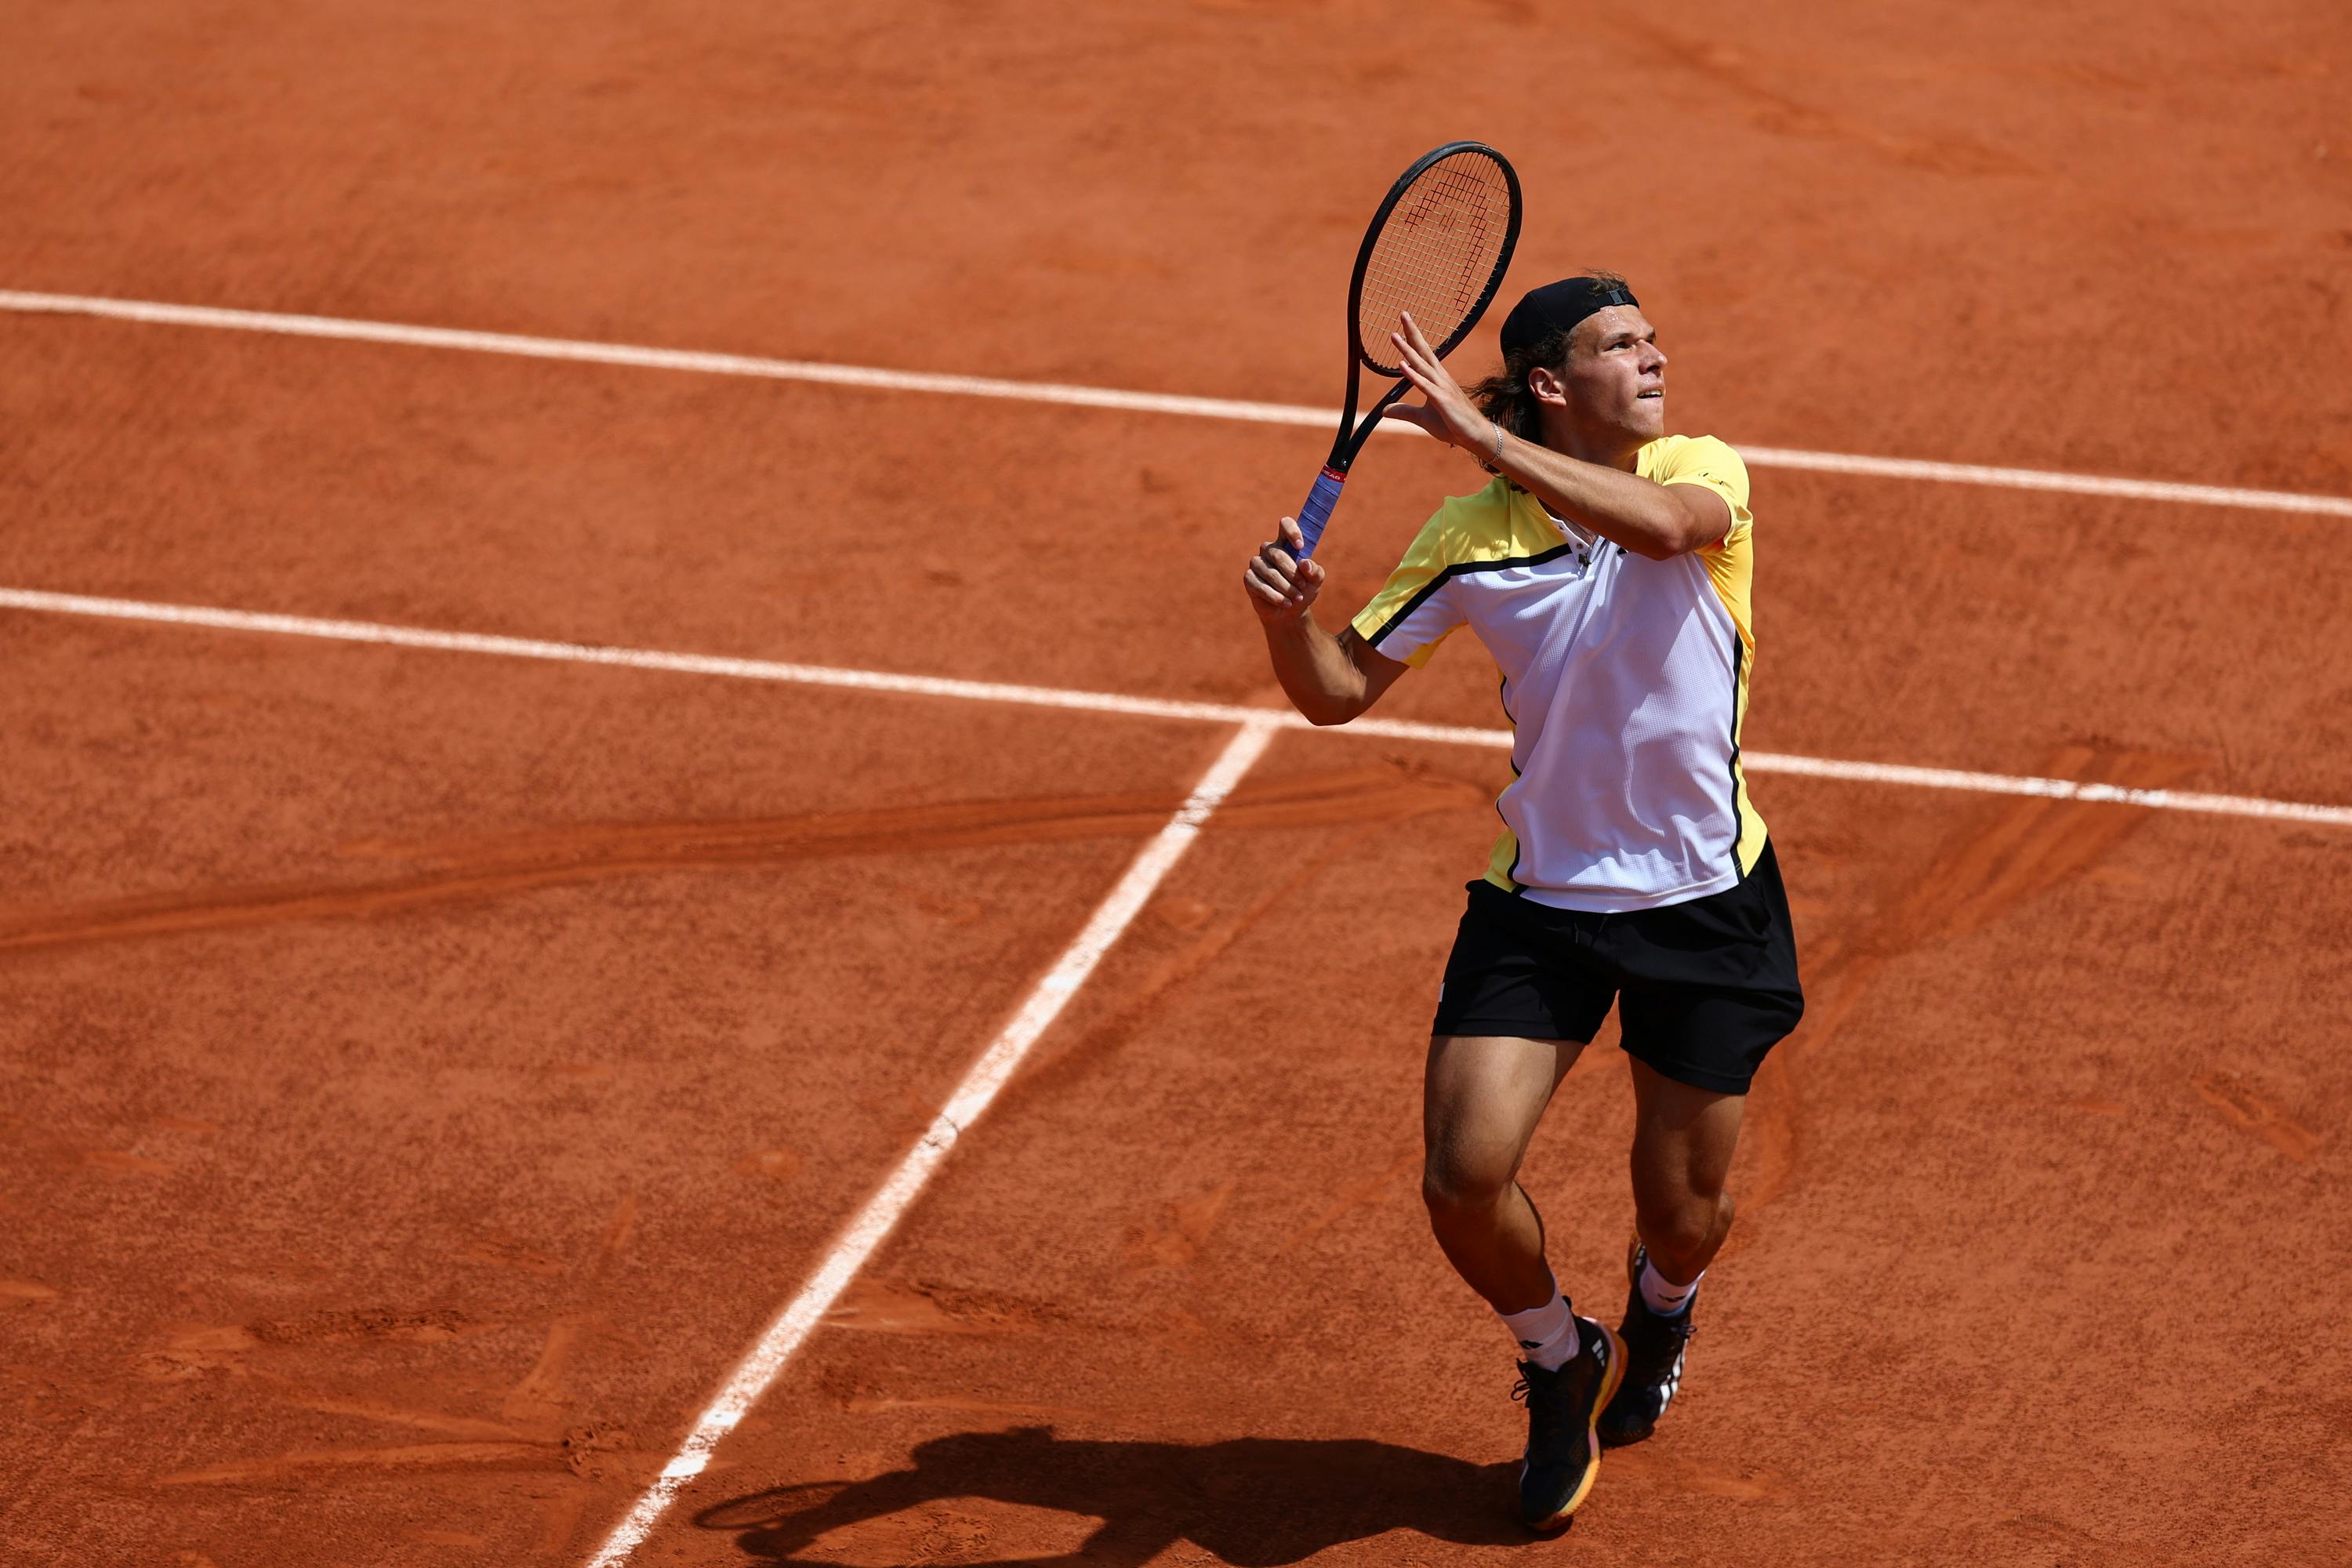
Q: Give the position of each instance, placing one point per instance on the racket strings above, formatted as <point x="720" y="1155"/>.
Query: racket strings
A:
<point x="1435" y="255"/>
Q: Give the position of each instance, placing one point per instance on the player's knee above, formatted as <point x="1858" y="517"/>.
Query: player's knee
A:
<point x="1452" y="1187"/>
<point x="1684" y="1225"/>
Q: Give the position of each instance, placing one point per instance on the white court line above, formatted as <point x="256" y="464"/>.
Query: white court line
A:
<point x="1112" y="702"/>
<point x="575" y="349"/>
<point x="758" y="1369"/>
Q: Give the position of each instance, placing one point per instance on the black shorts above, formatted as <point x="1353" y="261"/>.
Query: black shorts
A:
<point x="1705" y="989"/>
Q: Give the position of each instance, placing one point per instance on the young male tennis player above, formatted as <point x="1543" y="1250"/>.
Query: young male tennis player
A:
<point x="1607" y="569"/>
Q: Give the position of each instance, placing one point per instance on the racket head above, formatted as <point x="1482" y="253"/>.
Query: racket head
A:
<point x="1438" y="246"/>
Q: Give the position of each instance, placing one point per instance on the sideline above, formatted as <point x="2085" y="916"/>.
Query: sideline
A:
<point x="156" y="313"/>
<point x="758" y="1371"/>
<point x="378" y="633"/>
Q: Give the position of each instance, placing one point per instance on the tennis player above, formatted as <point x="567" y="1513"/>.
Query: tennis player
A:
<point x="1607" y="568"/>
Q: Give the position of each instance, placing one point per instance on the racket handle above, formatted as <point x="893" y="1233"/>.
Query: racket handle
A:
<point x="1317" y="513"/>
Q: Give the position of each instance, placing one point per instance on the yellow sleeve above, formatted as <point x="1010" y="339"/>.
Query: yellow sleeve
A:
<point x="1711" y="464"/>
<point x="1412" y="613"/>
<point x="1730" y="561"/>
<point x="1417" y="608"/>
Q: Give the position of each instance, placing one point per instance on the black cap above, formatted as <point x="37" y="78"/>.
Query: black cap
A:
<point x="1557" y="307"/>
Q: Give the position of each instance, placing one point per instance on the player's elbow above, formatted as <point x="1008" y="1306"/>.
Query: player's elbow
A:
<point x="1331" y="712"/>
<point x="1666" y="545"/>
<point x="1677" y="533"/>
<point x="1691" y="519"/>
<point x="1332" y="704"/>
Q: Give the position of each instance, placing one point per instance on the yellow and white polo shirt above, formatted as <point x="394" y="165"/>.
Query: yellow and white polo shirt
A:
<point x="1625" y="681"/>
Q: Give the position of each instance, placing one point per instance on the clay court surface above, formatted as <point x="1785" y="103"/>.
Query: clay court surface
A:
<point x="427" y="1072"/>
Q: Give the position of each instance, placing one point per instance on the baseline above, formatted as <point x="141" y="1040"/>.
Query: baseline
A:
<point x="155" y="312"/>
<point x="758" y="1369"/>
<point x="375" y="632"/>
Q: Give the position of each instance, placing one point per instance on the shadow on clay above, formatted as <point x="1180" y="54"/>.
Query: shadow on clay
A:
<point x="1254" y="1502"/>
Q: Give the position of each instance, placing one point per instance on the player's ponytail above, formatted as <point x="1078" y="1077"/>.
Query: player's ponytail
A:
<point x="1504" y="398"/>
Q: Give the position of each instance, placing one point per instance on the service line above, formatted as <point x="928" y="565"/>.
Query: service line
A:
<point x="1067" y="698"/>
<point x="758" y="1371"/>
<point x="870" y="377"/>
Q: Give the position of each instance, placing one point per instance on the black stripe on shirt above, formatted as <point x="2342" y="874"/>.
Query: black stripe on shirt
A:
<point x="1461" y="569"/>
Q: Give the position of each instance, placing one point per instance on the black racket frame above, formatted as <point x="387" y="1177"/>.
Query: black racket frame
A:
<point x="1344" y="449"/>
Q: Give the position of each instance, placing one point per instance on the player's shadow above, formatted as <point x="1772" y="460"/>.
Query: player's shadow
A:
<point x="1254" y="1502"/>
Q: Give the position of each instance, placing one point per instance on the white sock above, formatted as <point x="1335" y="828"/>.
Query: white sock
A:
<point x="1662" y="1295"/>
<point x="1545" y="1335"/>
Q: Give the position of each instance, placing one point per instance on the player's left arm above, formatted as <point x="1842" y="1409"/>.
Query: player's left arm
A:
<point x="1658" y="521"/>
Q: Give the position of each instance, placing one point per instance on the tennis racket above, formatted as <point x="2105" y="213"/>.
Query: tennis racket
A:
<point x="1438" y="247"/>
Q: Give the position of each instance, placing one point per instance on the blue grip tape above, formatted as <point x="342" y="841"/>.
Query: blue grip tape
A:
<point x="1317" y="513"/>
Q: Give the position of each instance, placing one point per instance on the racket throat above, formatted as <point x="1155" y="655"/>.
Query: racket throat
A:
<point x="1351" y="442"/>
<point x="1372" y="419"/>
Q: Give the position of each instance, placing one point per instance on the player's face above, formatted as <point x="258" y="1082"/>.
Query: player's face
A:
<point x="1615" y="376"/>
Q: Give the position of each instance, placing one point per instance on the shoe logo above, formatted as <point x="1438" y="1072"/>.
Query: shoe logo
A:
<point x="1532" y="1344"/>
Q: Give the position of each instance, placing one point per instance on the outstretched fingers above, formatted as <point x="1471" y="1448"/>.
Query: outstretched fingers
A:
<point x="1414" y="353"/>
<point x="1447" y="412"/>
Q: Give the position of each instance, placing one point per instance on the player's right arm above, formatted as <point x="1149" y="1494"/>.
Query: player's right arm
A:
<point x="1328" y="679"/>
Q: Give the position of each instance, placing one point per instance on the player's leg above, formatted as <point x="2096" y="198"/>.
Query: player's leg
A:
<point x="1710" y="986"/>
<point x="1513" y="1014"/>
<point x="1684" y="1137"/>
<point x="1683" y="1142"/>
<point x="1517" y="1005"/>
<point x="1481" y="1099"/>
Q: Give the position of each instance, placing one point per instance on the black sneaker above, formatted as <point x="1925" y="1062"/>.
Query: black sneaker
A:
<point x="1563" y="1456"/>
<point x="1653" y="1364"/>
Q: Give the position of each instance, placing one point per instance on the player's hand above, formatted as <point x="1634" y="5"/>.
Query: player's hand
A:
<point x="1281" y="586"/>
<point x="1445" y="410"/>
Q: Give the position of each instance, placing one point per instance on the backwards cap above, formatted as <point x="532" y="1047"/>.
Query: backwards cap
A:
<point x="1557" y="308"/>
